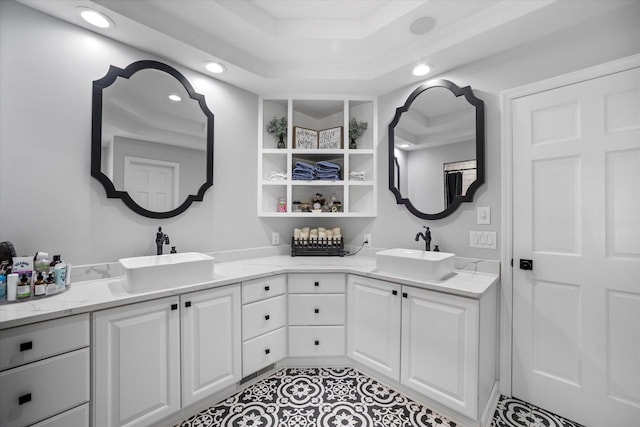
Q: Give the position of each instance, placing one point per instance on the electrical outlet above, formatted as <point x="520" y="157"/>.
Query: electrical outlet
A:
<point x="367" y="238"/>
<point x="275" y="238"/>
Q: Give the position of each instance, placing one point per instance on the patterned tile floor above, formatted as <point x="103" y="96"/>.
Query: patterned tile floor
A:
<point x="513" y="412"/>
<point x="334" y="397"/>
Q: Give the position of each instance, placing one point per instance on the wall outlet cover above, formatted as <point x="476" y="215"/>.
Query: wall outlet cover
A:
<point x="275" y="238"/>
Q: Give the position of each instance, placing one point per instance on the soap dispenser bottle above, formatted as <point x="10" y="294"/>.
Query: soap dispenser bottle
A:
<point x="3" y="282"/>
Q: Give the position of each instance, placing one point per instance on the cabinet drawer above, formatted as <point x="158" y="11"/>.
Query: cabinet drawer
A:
<point x="29" y="343"/>
<point x="263" y="316"/>
<point x="41" y="389"/>
<point x="316" y="341"/>
<point x="76" y="417"/>
<point x="255" y="290"/>
<point x="263" y="351"/>
<point x="316" y="283"/>
<point x="327" y="309"/>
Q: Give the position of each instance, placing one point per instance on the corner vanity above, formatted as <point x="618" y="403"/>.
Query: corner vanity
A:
<point x="100" y="355"/>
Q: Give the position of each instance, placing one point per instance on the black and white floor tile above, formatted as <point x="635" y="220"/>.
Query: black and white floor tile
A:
<point x="335" y="397"/>
<point x="513" y="412"/>
<point x="304" y="397"/>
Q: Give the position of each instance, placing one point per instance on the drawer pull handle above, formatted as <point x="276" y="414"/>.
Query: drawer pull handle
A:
<point x="267" y="351"/>
<point x="316" y="283"/>
<point x="404" y="295"/>
<point x="187" y="304"/>
<point x="266" y="317"/>
<point x="25" y="398"/>
<point x="26" y="346"/>
<point x="316" y="311"/>
<point x="317" y="342"/>
<point x="266" y="289"/>
<point x="174" y="306"/>
<point x="394" y="292"/>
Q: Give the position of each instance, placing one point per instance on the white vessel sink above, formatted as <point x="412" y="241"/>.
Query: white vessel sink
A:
<point x="166" y="271"/>
<point x="415" y="264"/>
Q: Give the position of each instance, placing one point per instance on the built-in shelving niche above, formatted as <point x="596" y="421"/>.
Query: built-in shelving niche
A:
<point x="358" y="197"/>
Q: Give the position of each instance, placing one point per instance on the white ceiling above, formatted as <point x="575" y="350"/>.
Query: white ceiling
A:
<point x="355" y="47"/>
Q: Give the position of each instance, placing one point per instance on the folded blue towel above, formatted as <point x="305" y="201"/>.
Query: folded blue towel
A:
<point x="303" y="165"/>
<point x="327" y="165"/>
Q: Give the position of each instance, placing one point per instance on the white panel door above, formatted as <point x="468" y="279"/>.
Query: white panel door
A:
<point x="576" y="214"/>
<point x="373" y="324"/>
<point x="439" y="356"/>
<point x="152" y="184"/>
<point x="211" y="342"/>
<point x="136" y="369"/>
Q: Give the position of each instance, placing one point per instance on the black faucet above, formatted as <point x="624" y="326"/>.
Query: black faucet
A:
<point x="426" y="236"/>
<point x="161" y="239"/>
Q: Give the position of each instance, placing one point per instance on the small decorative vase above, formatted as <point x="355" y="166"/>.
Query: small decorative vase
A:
<point x="281" y="143"/>
<point x="352" y="144"/>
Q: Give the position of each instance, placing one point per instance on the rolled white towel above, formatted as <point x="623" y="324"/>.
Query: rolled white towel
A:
<point x="296" y="233"/>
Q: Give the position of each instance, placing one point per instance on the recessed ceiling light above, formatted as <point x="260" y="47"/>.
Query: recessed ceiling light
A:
<point x="421" y="70"/>
<point x="215" y="67"/>
<point x="403" y="145"/>
<point x="95" y="18"/>
<point x="422" y="25"/>
<point x="175" y="97"/>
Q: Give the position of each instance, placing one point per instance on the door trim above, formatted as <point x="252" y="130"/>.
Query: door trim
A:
<point x="507" y="97"/>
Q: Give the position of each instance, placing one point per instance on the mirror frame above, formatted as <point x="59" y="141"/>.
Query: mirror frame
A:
<point x="480" y="147"/>
<point x="96" y="136"/>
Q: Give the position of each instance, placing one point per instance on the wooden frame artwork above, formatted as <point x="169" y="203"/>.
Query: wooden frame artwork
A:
<point x="304" y="138"/>
<point x="331" y="138"/>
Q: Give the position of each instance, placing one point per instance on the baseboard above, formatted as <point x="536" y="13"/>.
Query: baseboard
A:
<point x="492" y="404"/>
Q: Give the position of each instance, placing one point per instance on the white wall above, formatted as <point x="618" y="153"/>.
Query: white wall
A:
<point x="49" y="201"/>
<point x="558" y="54"/>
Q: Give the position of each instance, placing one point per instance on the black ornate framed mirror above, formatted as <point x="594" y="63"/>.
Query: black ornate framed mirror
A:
<point x="151" y="139"/>
<point x="437" y="149"/>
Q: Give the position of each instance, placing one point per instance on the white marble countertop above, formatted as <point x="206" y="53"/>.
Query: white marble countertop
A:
<point x="92" y="295"/>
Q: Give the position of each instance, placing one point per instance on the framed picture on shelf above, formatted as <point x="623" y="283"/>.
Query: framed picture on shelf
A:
<point x="331" y="138"/>
<point x="304" y="138"/>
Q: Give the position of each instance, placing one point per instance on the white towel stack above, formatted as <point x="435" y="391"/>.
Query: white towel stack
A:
<point x="357" y="176"/>
<point x="277" y="176"/>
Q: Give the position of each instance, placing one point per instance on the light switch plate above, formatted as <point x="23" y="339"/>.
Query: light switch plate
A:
<point x="482" y="239"/>
<point x="483" y="215"/>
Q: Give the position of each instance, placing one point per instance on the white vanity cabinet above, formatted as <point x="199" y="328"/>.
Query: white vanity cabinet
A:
<point x="316" y="314"/>
<point x="211" y="347"/>
<point x="264" y="323"/>
<point x="440" y="345"/>
<point x="137" y="355"/>
<point x="439" y="352"/>
<point x="44" y="373"/>
<point x="373" y="324"/>
<point x="136" y="363"/>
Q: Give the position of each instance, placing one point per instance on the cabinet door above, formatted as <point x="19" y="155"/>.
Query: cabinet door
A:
<point x="440" y="347"/>
<point x="211" y="358"/>
<point x="373" y="324"/>
<point x="136" y="369"/>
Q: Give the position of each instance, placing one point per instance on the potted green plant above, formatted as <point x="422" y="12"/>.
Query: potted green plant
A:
<point x="356" y="129"/>
<point x="278" y="127"/>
